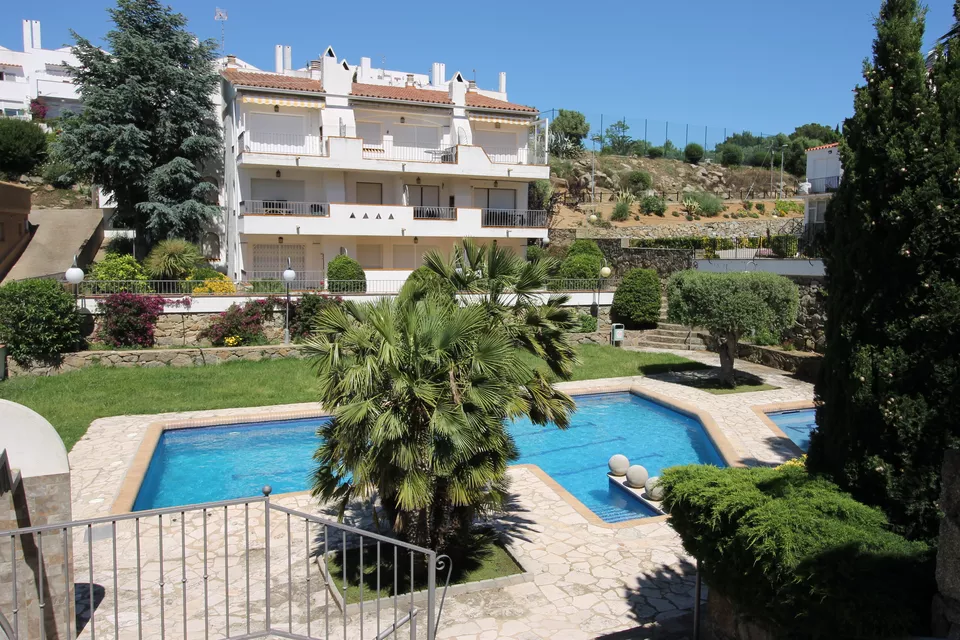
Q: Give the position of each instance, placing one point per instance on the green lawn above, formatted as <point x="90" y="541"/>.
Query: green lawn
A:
<point x="72" y="401"/>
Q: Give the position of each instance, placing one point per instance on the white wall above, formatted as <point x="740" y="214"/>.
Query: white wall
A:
<point x="36" y="78"/>
<point x="823" y="163"/>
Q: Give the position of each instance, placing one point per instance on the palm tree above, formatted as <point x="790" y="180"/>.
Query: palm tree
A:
<point x="420" y="388"/>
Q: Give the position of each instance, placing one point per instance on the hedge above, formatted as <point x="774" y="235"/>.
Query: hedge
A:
<point x="584" y="246"/>
<point x="344" y="268"/>
<point x="798" y="554"/>
<point x="578" y="271"/>
<point x="784" y="246"/>
<point x="39" y="321"/>
<point x="637" y="299"/>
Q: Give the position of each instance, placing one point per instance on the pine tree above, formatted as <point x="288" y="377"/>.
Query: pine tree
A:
<point x="890" y="381"/>
<point x="148" y="129"/>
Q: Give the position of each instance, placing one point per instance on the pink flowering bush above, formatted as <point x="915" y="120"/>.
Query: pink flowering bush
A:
<point x="241" y="325"/>
<point x="129" y="319"/>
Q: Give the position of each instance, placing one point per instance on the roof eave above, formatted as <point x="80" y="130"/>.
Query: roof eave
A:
<point x="292" y="92"/>
<point x="399" y="102"/>
<point x="530" y="114"/>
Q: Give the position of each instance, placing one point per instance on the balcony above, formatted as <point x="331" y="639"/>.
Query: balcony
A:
<point x="387" y="151"/>
<point x="506" y="155"/>
<point x="280" y="143"/>
<point x="828" y="184"/>
<point x="285" y="208"/>
<point x="434" y="213"/>
<point x="529" y="218"/>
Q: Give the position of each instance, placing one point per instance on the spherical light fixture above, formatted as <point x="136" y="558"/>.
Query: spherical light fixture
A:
<point x="289" y="275"/>
<point x="592" y="218"/>
<point x="74" y="274"/>
<point x="605" y="272"/>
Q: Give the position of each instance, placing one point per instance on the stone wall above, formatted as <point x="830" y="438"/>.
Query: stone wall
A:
<point x="713" y="229"/>
<point x="666" y="262"/>
<point x="725" y="622"/>
<point x="808" y="333"/>
<point x="946" y="609"/>
<point x="158" y="358"/>
<point x="804" y="365"/>
<point x="181" y="329"/>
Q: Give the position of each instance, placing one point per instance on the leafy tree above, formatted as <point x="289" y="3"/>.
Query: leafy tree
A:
<point x="731" y="305"/>
<point x="637" y="299"/>
<point x="890" y="380"/>
<point x="23" y="147"/>
<point x="572" y="125"/>
<point x="148" y="124"/>
<point x="693" y="153"/>
<point x="825" y="134"/>
<point x="731" y="155"/>
<point x="616" y="139"/>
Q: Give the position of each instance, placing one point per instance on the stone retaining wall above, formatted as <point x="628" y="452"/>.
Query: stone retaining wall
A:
<point x="946" y="609"/>
<point x="808" y="332"/>
<point x="181" y="329"/>
<point x="805" y="365"/>
<point x="714" y="229"/>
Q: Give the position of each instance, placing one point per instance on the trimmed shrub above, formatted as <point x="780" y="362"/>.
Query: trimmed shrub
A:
<point x="579" y="271"/>
<point x="303" y="312"/>
<point x="684" y="242"/>
<point x="119" y="268"/>
<point x="344" y="274"/>
<point x="23" y="147"/>
<point x="621" y="211"/>
<point x="796" y="553"/>
<point x="535" y="253"/>
<point x="172" y="259"/>
<point x="267" y="285"/>
<point x="637" y="300"/>
<point x="637" y="182"/>
<point x="654" y="205"/>
<point x="240" y="325"/>
<point x="39" y="321"/>
<point x="585" y="246"/>
<point x="784" y="246"/>
<point x="693" y="153"/>
<point x="731" y="156"/>
<point x="655" y="152"/>
<point x="129" y="319"/>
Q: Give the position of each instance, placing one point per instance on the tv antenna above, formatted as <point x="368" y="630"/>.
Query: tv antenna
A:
<point x="220" y="15"/>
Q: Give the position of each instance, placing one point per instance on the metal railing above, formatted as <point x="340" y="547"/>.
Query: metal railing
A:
<point x="158" y="287"/>
<point x="290" y="143"/>
<point x="434" y="213"/>
<point x="365" y="286"/>
<point x="582" y="284"/>
<point x="272" y="282"/>
<point x="514" y="218"/>
<point x="507" y="155"/>
<point x="285" y="208"/>
<point x="244" y="568"/>
<point x="824" y="185"/>
<point x="444" y="155"/>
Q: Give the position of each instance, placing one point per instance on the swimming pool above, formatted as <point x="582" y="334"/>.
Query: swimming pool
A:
<point x="797" y="424"/>
<point x="219" y="463"/>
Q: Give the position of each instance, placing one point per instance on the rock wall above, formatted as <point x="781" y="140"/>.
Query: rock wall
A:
<point x="725" y="622"/>
<point x="181" y="329"/>
<point x="666" y="262"/>
<point x="158" y="358"/>
<point x="808" y="333"/>
<point x="714" y="229"/>
<point x="804" y="365"/>
<point x="946" y="622"/>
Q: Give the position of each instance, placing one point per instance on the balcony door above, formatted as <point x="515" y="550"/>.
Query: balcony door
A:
<point x="277" y="133"/>
<point x="270" y="195"/>
<point x="424" y="195"/>
<point x="270" y="260"/>
<point x="416" y="136"/>
<point x="495" y="198"/>
<point x="369" y="193"/>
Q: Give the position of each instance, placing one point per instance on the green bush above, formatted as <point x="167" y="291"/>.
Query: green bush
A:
<point x="172" y="259"/>
<point x="23" y="147"/>
<point x="304" y="311"/>
<point x="120" y="245"/>
<point x="693" y="153"/>
<point x="118" y="268"/>
<point x="731" y="156"/>
<point x="621" y="211"/>
<point x="637" y="182"/>
<point x="709" y="205"/>
<point x="585" y="246"/>
<point x="653" y="205"/>
<point x="535" y="253"/>
<point x="784" y="246"/>
<point x="793" y="551"/>
<point x="344" y="274"/>
<point x="684" y="242"/>
<point x="59" y="174"/>
<point x="655" y="152"/>
<point x="539" y="195"/>
<point x="578" y="271"/>
<point x="637" y="299"/>
<point x="267" y="285"/>
<point x="788" y="206"/>
<point x="586" y="323"/>
<point x="761" y="207"/>
<point x="747" y="205"/>
<point x="424" y="281"/>
<point x="39" y="321"/>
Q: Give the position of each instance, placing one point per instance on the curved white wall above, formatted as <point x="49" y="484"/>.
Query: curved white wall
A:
<point x="33" y="445"/>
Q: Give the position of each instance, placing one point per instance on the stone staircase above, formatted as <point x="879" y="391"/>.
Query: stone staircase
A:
<point x="671" y="336"/>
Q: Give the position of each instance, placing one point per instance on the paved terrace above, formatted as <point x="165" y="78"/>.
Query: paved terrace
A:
<point x="587" y="580"/>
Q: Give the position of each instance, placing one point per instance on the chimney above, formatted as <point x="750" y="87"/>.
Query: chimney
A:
<point x="435" y="77"/>
<point x="502" y="88"/>
<point x="409" y="80"/>
<point x="443" y="72"/>
<point x="278" y="58"/>
<point x="287" y="58"/>
<point x="35" y="30"/>
<point x="27" y="36"/>
<point x="231" y="60"/>
<point x="471" y="85"/>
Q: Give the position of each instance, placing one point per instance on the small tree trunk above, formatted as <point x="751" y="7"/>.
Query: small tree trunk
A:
<point x="728" y="353"/>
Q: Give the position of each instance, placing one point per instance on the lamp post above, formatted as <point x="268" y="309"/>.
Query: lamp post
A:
<point x="782" y="148"/>
<point x="74" y="276"/>
<point x="289" y="275"/>
<point x="605" y="272"/>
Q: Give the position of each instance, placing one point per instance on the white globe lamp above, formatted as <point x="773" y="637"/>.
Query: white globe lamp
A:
<point x="605" y="272"/>
<point x="74" y="274"/>
<point x="592" y="218"/>
<point x="653" y="489"/>
<point x="637" y="476"/>
<point x="289" y="275"/>
<point x="618" y="465"/>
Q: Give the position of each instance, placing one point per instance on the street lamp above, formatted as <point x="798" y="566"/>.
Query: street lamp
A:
<point x="289" y="275"/>
<point x="605" y="272"/>
<point x="781" y="170"/>
<point x="74" y="276"/>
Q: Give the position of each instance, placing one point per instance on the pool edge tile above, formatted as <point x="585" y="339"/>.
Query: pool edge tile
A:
<point x="763" y="409"/>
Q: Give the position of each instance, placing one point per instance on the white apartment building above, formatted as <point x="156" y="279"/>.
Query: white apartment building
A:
<point x="824" y="172"/>
<point x="380" y="165"/>
<point x="36" y="74"/>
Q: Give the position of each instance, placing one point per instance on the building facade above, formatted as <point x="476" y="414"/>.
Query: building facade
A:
<point x="380" y="165"/>
<point x="824" y="172"/>
<point x="36" y="74"/>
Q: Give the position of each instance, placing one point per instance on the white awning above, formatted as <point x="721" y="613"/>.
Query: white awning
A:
<point x="303" y="103"/>
<point x="479" y="117"/>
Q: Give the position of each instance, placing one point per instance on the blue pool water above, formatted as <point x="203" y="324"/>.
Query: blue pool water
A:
<point x="796" y="424"/>
<point x="235" y="461"/>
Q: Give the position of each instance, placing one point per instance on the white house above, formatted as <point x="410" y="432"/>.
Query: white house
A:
<point x="380" y="165"/>
<point x="36" y="74"/>
<point x="823" y="173"/>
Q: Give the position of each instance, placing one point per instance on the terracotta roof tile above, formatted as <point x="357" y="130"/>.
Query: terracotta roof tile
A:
<point x="272" y="81"/>
<point x="480" y="101"/>
<point x="412" y="94"/>
<point x="824" y="146"/>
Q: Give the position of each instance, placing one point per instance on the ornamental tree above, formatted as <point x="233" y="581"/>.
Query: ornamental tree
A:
<point x="889" y="386"/>
<point x="730" y="305"/>
<point x="149" y="128"/>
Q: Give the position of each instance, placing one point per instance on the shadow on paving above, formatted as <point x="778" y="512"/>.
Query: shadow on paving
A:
<point x="662" y="604"/>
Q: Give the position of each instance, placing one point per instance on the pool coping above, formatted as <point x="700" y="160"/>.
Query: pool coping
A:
<point x="136" y="472"/>
<point x="763" y="409"/>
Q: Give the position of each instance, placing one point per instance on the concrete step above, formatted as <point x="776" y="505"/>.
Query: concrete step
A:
<point x="671" y="327"/>
<point x="678" y="333"/>
<point x="656" y="344"/>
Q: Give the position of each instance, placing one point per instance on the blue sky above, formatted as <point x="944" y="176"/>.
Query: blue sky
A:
<point x="759" y="65"/>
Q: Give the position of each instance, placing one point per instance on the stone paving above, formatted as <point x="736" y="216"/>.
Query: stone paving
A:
<point x="586" y="580"/>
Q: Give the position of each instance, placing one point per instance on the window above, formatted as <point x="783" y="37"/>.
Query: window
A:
<point x="416" y="136"/>
<point x="495" y="198"/>
<point x="817" y="210"/>
<point x="424" y="195"/>
<point x="370" y="256"/>
<point x="404" y="256"/>
<point x="371" y="133"/>
<point x="369" y="193"/>
<point x="269" y="260"/>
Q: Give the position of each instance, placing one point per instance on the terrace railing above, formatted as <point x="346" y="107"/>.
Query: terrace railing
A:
<point x="507" y="155"/>
<point x="514" y="218"/>
<point x="244" y="568"/>
<point x="282" y="143"/>
<point x="824" y="185"/>
<point x="443" y="155"/>
<point x="285" y="208"/>
<point x="434" y="213"/>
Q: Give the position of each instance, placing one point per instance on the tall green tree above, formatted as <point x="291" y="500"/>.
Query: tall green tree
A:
<point x="616" y="140"/>
<point x="148" y="131"/>
<point x="890" y="381"/>
<point x="571" y="124"/>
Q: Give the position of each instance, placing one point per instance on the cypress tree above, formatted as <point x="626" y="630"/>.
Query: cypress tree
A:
<point x="890" y="381"/>
<point x="149" y="125"/>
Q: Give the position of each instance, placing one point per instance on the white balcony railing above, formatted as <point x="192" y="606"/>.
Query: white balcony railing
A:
<point x="286" y="143"/>
<point x="445" y="155"/>
<point x="434" y="213"/>
<point x="507" y="155"/>
<point x="514" y="218"/>
<point x="285" y="208"/>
